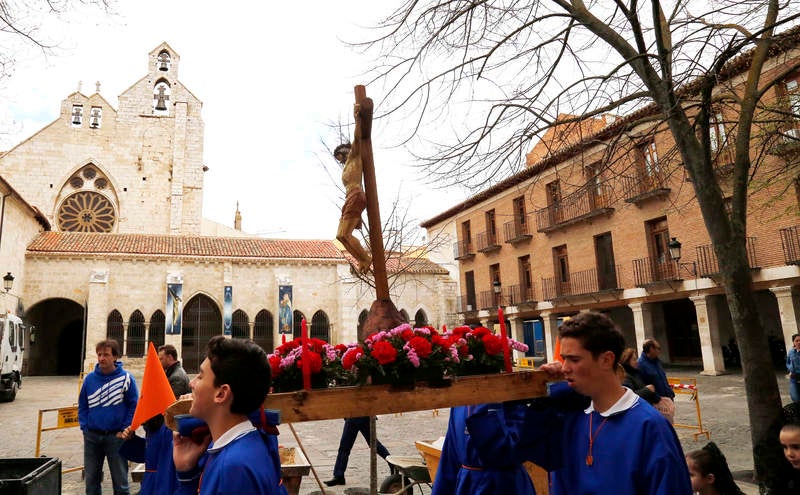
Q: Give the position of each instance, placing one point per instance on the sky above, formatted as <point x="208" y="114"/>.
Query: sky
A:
<point x="272" y="77"/>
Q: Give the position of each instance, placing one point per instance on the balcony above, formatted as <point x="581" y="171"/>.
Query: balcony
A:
<point x="489" y="300"/>
<point x="649" y="271"/>
<point x="582" y="205"/>
<point x="516" y="231"/>
<point x="580" y="283"/>
<point x="643" y="187"/>
<point x="708" y="265"/>
<point x="514" y="295"/>
<point x="790" y="243"/>
<point x="462" y="250"/>
<point x="466" y="303"/>
<point x="486" y="242"/>
<point x="787" y="140"/>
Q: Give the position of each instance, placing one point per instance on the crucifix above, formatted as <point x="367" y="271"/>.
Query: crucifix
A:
<point x="161" y="103"/>
<point x="358" y="163"/>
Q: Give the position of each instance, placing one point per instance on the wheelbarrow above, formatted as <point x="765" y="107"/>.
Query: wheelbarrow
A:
<point x="409" y="471"/>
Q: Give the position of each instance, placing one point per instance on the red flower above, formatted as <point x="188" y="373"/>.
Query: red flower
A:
<point x="493" y="344"/>
<point x="340" y="348"/>
<point x="314" y="359"/>
<point x="349" y="359"/>
<point x="421" y="346"/>
<point x="481" y="331"/>
<point x="407" y="334"/>
<point x="275" y="364"/>
<point x="460" y="331"/>
<point x="384" y="352"/>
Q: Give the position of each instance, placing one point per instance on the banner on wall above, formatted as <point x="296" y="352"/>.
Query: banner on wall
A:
<point x="174" y="309"/>
<point x="285" y="313"/>
<point x="227" y="308"/>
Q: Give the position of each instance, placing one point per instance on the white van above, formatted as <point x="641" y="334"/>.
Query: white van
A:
<point x="12" y="344"/>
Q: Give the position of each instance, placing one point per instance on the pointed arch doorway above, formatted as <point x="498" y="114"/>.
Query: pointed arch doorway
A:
<point x="202" y="320"/>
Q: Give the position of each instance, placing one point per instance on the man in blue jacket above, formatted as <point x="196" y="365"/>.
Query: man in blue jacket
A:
<point x="106" y="405"/>
<point x="650" y="366"/>
<point x="236" y="458"/>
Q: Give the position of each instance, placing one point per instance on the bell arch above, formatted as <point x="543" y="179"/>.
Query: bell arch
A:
<point x="202" y="320"/>
<point x="161" y="96"/>
<point x="263" y="329"/>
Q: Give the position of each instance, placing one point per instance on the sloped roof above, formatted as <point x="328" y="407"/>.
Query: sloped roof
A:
<point x="407" y="264"/>
<point x="781" y="43"/>
<point x="68" y="243"/>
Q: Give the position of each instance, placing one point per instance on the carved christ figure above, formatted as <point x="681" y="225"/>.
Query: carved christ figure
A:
<point x="355" y="200"/>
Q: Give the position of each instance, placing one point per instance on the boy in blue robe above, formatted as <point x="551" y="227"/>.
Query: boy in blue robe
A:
<point x="234" y="380"/>
<point x="482" y="454"/>
<point x="620" y="444"/>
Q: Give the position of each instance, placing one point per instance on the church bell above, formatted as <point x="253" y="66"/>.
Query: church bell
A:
<point x="94" y="122"/>
<point x="161" y="104"/>
<point x="162" y="66"/>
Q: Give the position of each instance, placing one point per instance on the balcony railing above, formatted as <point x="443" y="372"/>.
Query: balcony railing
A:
<point x="487" y="241"/>
<point x="642" y="187"/>
<point x="648" y="271"/>
<point x="790" y="243"/>
<point x="708" y="265"/>
<point x="579" y="283"/>
<point x="466" y="303"/>
<point x="462" y="250"/>
<point x="516" y="231"/>
<point x="513" y="295"/>
<point x="489" y="299"/>
<point x="585" y="203"/>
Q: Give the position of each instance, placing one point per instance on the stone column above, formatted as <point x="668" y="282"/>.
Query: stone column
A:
<point x="642" y="322"/>
<point x="516" y="332"/>
<point x="708" y="326"/>
<point x="550" y="333"/>
<point x="485" y="323"/>
<point x="96" y="315"/>
<point x="789" y="309"/>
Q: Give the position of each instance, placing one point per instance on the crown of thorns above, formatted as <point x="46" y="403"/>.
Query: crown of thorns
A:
<point x="343" y="148"/>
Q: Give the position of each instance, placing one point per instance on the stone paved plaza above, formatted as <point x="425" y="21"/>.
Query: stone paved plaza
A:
<point x="721" y="398"/>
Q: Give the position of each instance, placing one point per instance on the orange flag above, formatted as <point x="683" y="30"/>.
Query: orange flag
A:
<point x="156" y="393"/>
<point x="557" y="351"/>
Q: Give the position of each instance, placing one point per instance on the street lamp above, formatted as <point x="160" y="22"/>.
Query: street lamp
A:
<point x="497" y="288"/>
<point x="674" y="247"/>
<point x="8" y="281"/>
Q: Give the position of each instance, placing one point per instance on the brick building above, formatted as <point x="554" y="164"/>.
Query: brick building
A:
<point x="103" y="231"/>
<point x="589" y="223"/>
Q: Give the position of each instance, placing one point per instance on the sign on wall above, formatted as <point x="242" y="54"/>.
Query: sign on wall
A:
<point x="174" y="309"/>
<point x="227" y="308"/>
<point x="285" y="314"/>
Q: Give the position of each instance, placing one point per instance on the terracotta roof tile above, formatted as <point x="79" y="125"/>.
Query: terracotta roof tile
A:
<point x="169" y="245"/>
<point x="408" y="264"/>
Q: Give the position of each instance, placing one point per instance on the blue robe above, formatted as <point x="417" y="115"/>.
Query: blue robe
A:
<point x="483" y="452"/>
<point x="635" y="452"/>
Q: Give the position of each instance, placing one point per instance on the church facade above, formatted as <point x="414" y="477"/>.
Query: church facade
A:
<point x="104" y="235"/>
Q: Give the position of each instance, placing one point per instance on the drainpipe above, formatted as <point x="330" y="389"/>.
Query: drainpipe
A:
<point x="3" y="216"/>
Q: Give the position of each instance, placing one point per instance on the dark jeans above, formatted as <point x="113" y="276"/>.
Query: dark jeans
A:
<point x="99" y="446"/>
<point x="351" y="428"/>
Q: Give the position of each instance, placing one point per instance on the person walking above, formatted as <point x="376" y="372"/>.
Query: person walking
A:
<point x="352" y="426"/>
<point x="793" y="367"/>
<point x="653" y="371"/>
<point x="106" y="404"/>
<point x="633" y="378"/>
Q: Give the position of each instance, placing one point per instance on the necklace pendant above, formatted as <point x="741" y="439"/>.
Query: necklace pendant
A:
<point x="589" y="460"/>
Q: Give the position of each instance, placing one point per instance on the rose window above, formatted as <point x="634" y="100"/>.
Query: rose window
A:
<point x="86" y="211"/>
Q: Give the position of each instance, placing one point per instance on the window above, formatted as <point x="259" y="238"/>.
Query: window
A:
<point x="491" y="228"/>
<point x="77" y="115"/>
<point x="561" y="268"/>
<point x="553" y="190"/>
<point x="525" y="278"/>
<point x="495" y="282"/>
<point x="648" y="158"/>
<point x="716" y="130"/>
<point x="658" y="239"/>
<point x="519" y="210"/>
<point x="469" y="284"/>
<point x="592" y="174"/>
<point x="466" y="234"/>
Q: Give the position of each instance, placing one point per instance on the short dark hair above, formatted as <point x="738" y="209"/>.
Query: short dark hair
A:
<point x="648" y="344"/>
<point x="242" y="365"/>
<point x="341" y="149"/>
<point x="110" y="343"/>
<point x="169" y="350"/>
<point x="596" y="333"/>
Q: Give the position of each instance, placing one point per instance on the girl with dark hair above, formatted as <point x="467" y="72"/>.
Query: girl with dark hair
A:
<point x="710" y="473"/>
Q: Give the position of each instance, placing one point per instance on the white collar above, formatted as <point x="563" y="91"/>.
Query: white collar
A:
<point x="229" y="436"/>
<point x="627" y="401"/>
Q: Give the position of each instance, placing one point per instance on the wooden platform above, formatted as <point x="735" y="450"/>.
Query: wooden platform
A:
<point x="373" y="400"/>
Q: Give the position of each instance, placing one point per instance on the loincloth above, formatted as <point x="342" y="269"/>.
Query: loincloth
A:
<point x="354" y="203"/>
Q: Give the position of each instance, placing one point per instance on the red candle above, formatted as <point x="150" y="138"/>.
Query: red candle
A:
<point x="306" y="362"/>
<point x="504" y="335"/>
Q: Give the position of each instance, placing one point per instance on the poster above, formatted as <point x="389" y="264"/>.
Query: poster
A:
<point x="227" y="308"/>
<point x="285" y="314"/>
<point x="174" y="309"/>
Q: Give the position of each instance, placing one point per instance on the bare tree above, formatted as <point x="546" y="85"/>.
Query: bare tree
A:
<point x="514" y="66"/>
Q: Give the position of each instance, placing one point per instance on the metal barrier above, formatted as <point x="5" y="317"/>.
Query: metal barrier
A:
<point x="66" y="417"/>
<point x="688" y="386"/>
